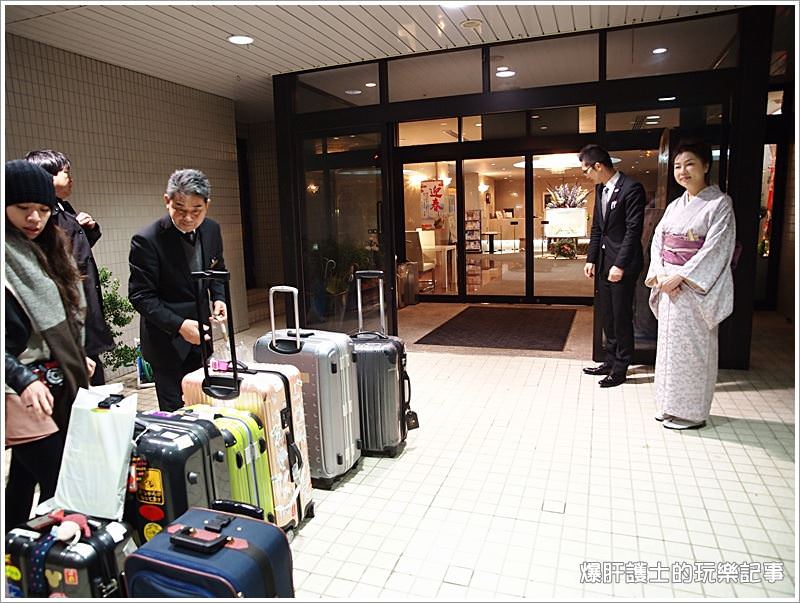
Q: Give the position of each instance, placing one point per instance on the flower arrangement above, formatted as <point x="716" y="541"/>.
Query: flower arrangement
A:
<point x="563" y="248"/>
<point x="567" y="195"/>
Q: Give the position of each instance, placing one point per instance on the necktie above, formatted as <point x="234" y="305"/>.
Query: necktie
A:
<point x="189" y="237"/>
<point x="606" y="195"/>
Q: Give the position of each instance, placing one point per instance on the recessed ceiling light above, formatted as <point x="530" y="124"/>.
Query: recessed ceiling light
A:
<point x="370" y="84"/>
<point x="665" y="99"/>
<point x="659" y="50"/>
<point x="542" y="127"/>
<point x="240" y="40"/>
<point x="653" y="117"/>
<point x="535" y="116"/>
<point x="502" y="68"/>
<point x="506" y="73"/>
<point x="492" y="164"/>
<point x="352" y="92"/>
<point x="651" y="123"/>
<point x="478" y="125"/>
<point x="443" y="123"/>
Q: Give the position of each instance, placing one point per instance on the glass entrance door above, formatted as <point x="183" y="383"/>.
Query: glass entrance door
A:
<point x="494" y="226"/>
<point x="342" y="231"/>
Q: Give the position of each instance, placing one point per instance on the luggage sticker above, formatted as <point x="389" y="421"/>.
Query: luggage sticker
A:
<point x="53" y="577"/>
<point x="151" y="488"/>
<point x="70" y="576"/>
<point x="12" y="572"/>
<point x="305" y="377"/>
<point x="185" y="441"/>
<point x="14" y="591"/>
<point x="151" y="529"/>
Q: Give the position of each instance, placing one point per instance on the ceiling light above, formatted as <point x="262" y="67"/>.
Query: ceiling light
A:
<point x="471" y="24"/>
<point x="503" y="68"/>
<point x="659" y="50"/>
<point x="506" y="73"/>
<point x="352" y="92"/>
<point x="370" y="84"/>
<point x="560" y="161"/>
<point x="478" y="125"/>
<point x="240" y="40"/>
<point x="535" y="116"/>
<point x="653" y="117"/>
<point x="651" y="123"/>
<point x="665" y="99"/>
<point x="483" y="188"/>
<point x="542" y="127"/>
<point x="443" y="123"/>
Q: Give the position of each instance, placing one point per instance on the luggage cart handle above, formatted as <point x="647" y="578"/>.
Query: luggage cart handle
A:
<point x="378" y="274"/>
<point x="295" y="294"/>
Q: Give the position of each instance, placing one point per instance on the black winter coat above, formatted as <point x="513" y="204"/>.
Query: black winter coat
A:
<point x="98" y="336"/>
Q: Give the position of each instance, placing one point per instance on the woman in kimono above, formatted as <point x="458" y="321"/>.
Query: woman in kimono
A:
<point x="691" y="289"/>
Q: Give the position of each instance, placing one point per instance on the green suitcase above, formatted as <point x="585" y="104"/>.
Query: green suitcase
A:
<point x="247" y="458"/>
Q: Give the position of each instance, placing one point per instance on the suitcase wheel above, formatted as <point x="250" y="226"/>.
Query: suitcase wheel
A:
<point x="310" y="511"/>
<point x="322" y="483"/>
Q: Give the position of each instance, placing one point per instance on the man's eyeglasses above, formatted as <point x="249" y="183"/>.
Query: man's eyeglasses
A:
<point x="586" y="169"/>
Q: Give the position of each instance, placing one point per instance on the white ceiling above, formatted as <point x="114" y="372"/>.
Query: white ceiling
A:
<point x="187" y="44"/>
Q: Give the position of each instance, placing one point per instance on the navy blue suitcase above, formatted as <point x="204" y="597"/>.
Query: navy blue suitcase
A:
<point x="212" y="554"/>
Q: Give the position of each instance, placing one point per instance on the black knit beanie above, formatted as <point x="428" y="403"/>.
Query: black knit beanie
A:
<point x="26" y="182"/>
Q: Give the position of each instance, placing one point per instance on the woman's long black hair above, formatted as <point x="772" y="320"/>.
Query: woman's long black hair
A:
<point x="53" y="249"/>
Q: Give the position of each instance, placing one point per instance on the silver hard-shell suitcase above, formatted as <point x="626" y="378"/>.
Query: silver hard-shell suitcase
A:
<point x="384" y="387"/>
<point x="326" y="361"/>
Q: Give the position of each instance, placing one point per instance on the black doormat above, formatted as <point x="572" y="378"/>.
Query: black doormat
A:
<point x="513" y="328"/>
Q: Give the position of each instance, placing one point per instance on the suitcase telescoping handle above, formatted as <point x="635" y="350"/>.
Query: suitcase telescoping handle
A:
<point x="216" y="386"/>
<point x="295" y="295"/>
<point x="378" y="274"/>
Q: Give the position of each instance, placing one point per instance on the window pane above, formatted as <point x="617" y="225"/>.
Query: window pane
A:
<point x="544" y="63"/>
<point x="429" y="131"/>
<point x="563" y="120"/>
<point x="774" y="102"/>
<point x="446" y="74"/>
<point x="656" y="119"/>
<point x="502" y="125"/>
<point x="339" y="88"/>
<point x="782" y="43"/>
<point x="429" y="195"/>
<point x="698" y="45"/>
<point x="352" y="142"/>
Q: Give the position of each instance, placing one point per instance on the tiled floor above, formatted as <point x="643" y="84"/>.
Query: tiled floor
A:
<point x="525" y="476"/>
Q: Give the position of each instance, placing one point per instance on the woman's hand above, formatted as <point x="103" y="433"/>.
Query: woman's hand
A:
<point x="38" y="398"/>
<point x="90" y="366"/>
<point x="671" y="285"/>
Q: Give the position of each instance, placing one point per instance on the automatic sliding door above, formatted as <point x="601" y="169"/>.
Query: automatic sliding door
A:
<point x="494" y="205"/>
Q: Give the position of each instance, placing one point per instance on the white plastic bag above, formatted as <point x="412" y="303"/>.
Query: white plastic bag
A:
<point x="97" y="452"/>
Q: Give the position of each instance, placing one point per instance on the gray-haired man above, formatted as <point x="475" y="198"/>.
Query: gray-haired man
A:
<point x="162" y="257"/>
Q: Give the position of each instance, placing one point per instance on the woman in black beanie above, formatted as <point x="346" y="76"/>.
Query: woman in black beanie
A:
<point x="45" y="359"/>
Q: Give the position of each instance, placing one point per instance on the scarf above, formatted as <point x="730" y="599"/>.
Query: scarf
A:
<point x="38" y="294"/>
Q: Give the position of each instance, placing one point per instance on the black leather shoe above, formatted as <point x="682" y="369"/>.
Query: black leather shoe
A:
<point x="603" y="369"/>
<point x="612" y="380"/>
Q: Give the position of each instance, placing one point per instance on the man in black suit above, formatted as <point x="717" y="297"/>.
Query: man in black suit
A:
<point x="615" y="255"/>
<point x="162" y="257"/>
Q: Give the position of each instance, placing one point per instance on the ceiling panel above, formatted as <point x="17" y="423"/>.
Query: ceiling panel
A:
<point x="547" y="18"/>
<point x="564" y="19"/>
<point x="187" y="43"/>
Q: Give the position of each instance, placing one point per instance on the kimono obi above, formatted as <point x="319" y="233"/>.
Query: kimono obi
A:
<point x="677" y="249"/>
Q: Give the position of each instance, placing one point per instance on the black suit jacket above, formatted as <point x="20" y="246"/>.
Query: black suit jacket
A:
<point x="619" y="234"/>
<point x="161" y="289"/>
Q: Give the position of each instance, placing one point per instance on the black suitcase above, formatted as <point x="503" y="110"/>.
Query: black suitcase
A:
<point x="179" y="463"/>
<point x="37" y="565"/>
<point x="384" y="387"/>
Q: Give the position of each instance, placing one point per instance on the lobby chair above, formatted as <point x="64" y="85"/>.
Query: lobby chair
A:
<point x="414" y="253"/>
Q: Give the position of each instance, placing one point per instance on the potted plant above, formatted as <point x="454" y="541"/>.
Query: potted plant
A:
<point x="565" y="211"/>
<point x="333" y="265"/>
<point x="118" y="313"/>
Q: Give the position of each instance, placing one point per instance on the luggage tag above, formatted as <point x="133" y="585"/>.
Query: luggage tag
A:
<point x="412" y="421"/>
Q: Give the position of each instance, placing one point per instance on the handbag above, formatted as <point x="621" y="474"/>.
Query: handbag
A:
<point x="97" y="453"/>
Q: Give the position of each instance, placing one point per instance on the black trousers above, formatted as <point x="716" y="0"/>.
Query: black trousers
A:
<point x="616" y="305"/>
<point x="34" y="463"/>
<point x="168" y="380"/>
<point x="99" y="375"/>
